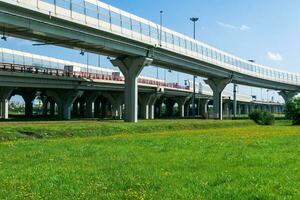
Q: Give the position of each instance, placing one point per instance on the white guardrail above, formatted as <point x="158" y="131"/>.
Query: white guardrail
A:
<point x="94" y="13"/>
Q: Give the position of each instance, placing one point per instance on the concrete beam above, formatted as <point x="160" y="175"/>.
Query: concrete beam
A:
<point x="217" y="85"/>
<point x="131" y="67"/>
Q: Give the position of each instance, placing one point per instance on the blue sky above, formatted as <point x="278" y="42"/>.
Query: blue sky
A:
<point x="264" y="30"/>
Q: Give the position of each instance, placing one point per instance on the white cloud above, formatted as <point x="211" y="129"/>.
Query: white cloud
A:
<point x="230" y="26"/>
<point x="227" y="25"/>
<point x="245" y="28"/>
<point x="274" y="56"/>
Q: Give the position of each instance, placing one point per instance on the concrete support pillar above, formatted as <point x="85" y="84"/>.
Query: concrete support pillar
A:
<point x="287" y="95"/>
<point x="103" y="109"/>
<point x="187" y="108"/>
<point x="239" y="109"/>
<point x="170" y="102"/>
<point x="75" y="108"/>
<point x="28" y="97"/>
<point x="90" y="99"/>
<point x="82" y="107"/>
<point x="52" y="107"/>
<point x="97" y="108"/>
<point x="181" y="101"/>
<point x="116" y="100"/>
<point x="146" y="104"/>
<point x="64" y="100"/>
<point x="198" y="107"/>
<point x="5" y="93"/>
<point x="4" y="109"/>
<point x="131" y="67"/>
<point x="217" y="85"/>
<point x="45" y="106"/>
<point x="247" y="109"/>
<point x="158" y="106"/>
<point x="226" y="109"/>
<point x="251" y="107"/>
<point x="152" y="103"/>
<point x="204" y="107"/>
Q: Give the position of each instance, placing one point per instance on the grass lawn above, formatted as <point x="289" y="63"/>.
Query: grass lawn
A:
<point x="164" y="159"/>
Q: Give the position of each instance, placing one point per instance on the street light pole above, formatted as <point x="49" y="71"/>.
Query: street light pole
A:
<point x="161" y="24"/>
<point x="160" y="38"/>
<point x="194" y="20"/>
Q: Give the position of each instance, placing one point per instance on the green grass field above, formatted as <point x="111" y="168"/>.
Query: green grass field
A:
<point x="164" y="159"/>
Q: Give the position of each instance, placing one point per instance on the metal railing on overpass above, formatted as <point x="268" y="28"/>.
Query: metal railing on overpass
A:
<point x="17" y="61"/>
<point x="96" y="14"/>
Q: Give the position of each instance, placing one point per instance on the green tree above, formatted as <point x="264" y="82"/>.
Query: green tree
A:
<point x="262" y="117"/>
<point x="292" y="110"/>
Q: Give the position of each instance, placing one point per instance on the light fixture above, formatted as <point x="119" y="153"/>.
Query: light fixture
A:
<point x="3" y="36"/>
<point x="82" y="52"/>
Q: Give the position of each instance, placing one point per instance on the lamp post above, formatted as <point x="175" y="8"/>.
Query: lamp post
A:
<point x="160" y="39"/>
<point x="161" y="24"/>
<point x="194" y="20"/>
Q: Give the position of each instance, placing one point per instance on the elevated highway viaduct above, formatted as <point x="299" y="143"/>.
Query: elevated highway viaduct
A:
<point x="78" y="94"/>
<point x="134" y="42"/>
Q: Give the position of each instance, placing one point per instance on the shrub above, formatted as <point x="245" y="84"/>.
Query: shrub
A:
<point x="292" y="111"/>
<point x="256" y="116"/>
<point x="268" y="118"/>
<point x="262" y="117"/>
